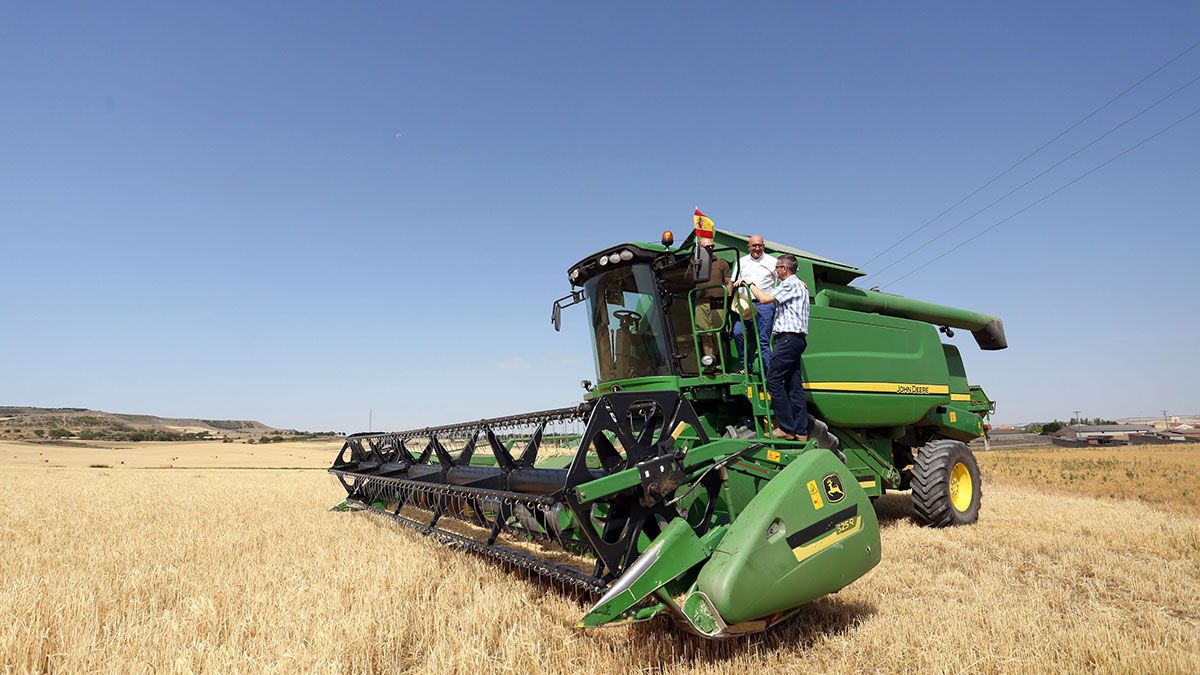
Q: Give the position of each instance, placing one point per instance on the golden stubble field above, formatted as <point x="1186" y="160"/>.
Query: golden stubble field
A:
<point x="1164" y="475"/>
<point x="168" y="454"/>
<point x="180" y="570"/>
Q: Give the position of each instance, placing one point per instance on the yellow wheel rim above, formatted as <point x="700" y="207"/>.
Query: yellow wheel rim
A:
<point x="961" y="487"/>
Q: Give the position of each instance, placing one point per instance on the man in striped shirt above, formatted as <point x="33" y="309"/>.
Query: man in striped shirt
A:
<point x="790" y="333"/>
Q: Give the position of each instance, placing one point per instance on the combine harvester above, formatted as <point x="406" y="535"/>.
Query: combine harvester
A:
<point x="675" y="500"/>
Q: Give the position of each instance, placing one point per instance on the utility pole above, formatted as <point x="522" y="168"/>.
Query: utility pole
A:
<point x="370" y="419"/>
<point x="1166" y="423"/>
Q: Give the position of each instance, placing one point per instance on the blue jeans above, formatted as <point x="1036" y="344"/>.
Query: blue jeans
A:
<point x="766" y="318"/>
<point x="786" y="385"/>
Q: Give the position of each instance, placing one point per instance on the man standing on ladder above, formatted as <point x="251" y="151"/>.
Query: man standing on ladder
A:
<point x="757" y="268"/>
<point x="790" y="331"/>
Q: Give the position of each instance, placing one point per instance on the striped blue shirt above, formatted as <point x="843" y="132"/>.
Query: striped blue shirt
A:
<point x="791" y="310"/>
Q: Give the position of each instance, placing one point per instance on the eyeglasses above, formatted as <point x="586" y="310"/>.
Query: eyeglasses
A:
<point x="780" y="267"/>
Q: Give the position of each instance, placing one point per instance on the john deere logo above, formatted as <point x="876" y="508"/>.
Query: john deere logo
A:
<point x="833" y="488"/>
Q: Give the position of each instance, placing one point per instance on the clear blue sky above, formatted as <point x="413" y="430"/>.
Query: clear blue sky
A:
<point x="300" y="212"/>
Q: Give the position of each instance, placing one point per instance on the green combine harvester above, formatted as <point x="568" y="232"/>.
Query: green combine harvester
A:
<point x="669" y="496"/>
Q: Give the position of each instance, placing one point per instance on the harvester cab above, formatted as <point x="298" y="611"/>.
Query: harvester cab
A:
<point x="665" y="483"/>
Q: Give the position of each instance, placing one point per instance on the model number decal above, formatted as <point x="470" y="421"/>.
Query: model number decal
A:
<point x="845" y="526"/>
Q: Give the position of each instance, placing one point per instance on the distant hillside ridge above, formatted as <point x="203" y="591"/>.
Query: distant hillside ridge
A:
<point x="31" y="423"/>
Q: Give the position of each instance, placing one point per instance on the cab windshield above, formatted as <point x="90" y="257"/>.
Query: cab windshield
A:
<point x="630" y="338"/>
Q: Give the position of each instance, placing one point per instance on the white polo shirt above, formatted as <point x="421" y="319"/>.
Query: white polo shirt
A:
<point x="759" y="272"/>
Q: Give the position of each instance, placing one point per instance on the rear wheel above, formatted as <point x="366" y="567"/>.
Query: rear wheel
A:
<point x="946" y="488"/>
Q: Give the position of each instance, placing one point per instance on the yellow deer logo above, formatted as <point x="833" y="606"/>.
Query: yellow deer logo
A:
<point x="833" y="488"/>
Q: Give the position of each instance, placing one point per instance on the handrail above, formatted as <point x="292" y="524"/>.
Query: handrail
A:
<point x="697" y="332"/>
<point x="757" y="375"/>
<point x="760" y="369"/>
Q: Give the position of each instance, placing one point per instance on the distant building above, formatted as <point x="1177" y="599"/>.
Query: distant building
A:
<point x="1085" y="432"/>
<point x="1187" y="431"/>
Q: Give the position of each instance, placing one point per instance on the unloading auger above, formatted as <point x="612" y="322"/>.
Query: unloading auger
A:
<point x="671" y="497"/>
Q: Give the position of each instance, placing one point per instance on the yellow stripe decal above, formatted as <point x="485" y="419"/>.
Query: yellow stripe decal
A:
<point x="960" y="397"/>
<point x="879" y="387"/>
<point x="802" y="553"/>
<point x="867" y="483"/>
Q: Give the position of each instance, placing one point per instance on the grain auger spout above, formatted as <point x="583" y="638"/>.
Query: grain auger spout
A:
<point x="655" y="513"/>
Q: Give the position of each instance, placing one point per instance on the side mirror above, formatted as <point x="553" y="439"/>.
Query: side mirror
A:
<point x="575" y="297"/>
<point x="701" y="264"/>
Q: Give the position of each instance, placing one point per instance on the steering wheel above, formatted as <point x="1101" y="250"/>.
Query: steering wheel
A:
<point x="627" y="316"/>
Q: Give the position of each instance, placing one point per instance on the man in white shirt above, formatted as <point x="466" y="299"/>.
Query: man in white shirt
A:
<point x="757" y="268"/>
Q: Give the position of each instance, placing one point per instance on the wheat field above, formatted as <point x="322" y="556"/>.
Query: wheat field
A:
<point x="223" y="570"/>
<point x="168" y="454"/>
<point x="1167" y="476"/>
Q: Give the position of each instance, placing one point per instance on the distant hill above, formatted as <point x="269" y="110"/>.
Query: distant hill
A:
<point x="28" y="423"/>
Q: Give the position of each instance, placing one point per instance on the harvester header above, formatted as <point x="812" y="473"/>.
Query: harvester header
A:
<point x="664" y="487"/>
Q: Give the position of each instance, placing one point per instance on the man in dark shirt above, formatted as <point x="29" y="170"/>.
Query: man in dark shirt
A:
<point x="710" y="302"/>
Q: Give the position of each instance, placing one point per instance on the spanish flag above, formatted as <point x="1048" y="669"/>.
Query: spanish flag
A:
<point x="704" y="225"/>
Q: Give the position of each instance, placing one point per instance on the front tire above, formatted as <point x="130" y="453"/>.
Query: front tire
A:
<point x="946" y="487"/>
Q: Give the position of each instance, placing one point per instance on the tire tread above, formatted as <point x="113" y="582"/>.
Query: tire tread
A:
<point x="930" y="482"/>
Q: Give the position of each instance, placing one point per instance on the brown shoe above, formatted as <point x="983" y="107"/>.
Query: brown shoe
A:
<point x="800" y="437"/>
<point x="783" y="435"/>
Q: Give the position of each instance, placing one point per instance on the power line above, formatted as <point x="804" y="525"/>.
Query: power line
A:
<point x="1054" y="192"/>
<point x="1053" y="166"/>
<point x="1031" y="154"/>
<point x="997" y="223"/>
